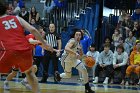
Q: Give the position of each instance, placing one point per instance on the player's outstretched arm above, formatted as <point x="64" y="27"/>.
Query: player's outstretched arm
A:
<point x="36" y="33"/>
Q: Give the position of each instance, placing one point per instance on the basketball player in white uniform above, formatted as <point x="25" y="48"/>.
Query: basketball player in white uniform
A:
<point x="71" y="58"/>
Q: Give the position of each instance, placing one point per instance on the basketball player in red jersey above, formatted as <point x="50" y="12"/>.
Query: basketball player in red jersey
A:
<point x="15" y="50"/>
<point x="33" y="42"/>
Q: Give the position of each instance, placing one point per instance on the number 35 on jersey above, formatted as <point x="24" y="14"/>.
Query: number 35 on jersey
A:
<point x="9" y="24"/>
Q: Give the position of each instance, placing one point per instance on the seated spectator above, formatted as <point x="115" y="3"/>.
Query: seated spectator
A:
<point x="16" y="10"/>
<point x="34" y="14"/>
<point x="107" y="40"/>
<point x="49" y="6"/>
<point x="105" y="62"/>
<point x="136" y="14"/>
<point x="95" y="54"/>
<point x="120" y="59"/>
<point x="116" y="36"/>
<point x="128" y="22"/>
<point x="129" y="42"/>
<point x="122" y="16"/>
<point x="33" y="22"/>
<point x="136" y="29"/>
<point x="24" y="14"/>
<point x="134" y="63"/>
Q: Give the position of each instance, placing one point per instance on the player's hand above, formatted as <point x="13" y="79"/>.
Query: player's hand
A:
<point x="50" y="48"/>
<point x="47" y="47"/>
<point x="77" y="56"/>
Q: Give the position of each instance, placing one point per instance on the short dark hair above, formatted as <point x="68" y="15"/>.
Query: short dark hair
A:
<point x="108" y="37"/>
<point x="38" y="27"/>
<point x="92" y="45"/>
<point x="3" y="8"/>
<point x="106" y="45"/>
<point x="121" y="47"/>
<point x="77" y="30"/>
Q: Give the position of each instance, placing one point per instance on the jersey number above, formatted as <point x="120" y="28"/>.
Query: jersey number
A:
<point x="9" y="24"/>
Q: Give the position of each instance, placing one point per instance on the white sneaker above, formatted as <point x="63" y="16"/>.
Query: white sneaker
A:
<point x="139" y="82"/>
<point x="106" y="80"/>
<point x="95" y="80"/>
<point x="27" y="86"/>
<point x="6" y="85"/>
<point x="126" y="84"/>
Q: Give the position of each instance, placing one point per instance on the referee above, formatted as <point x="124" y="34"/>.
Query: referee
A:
<point x="54" y="40"/>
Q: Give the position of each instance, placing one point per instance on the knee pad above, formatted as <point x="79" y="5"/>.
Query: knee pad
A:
<point x="65" y="75"/>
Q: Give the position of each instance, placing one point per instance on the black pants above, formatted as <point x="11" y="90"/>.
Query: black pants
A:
<point x="37" y="61"/>
<point x="48" y="56"/>
<point x="108" y="70"/>
<point x="122" y="69"/>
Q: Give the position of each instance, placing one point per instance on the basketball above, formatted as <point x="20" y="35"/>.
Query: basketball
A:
<point x="89" y="61"/>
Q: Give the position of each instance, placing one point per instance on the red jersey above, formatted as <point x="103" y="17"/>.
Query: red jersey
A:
<point x="12" y="35"/>
<point x="28" y="37"/>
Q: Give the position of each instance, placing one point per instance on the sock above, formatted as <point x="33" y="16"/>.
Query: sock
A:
<point x="5" y="81"/>
<point x="25" y="79"/>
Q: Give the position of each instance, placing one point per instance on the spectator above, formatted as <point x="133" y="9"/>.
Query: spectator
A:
<point x="134" y="63"/>
<point x="107" y="40"/>
<point x="24" y="14"/>
<point x="122" y="16"/>
<point x="33" y="22"/>
<point x="128" y="22"/>
<point x="48" y="7"/>
<point x="95" y="54"/>
<point x="116" y="36"/>
<point x="136" y="14"/>
<point x="129" y="42"/>
<point x="16" y="10"/>
<point x="120" y="59"/>
<point x="86" y="41"/>
<point x="136" y="29"/>
<point x="105" y="62"/>
<point x="34" y="14"/>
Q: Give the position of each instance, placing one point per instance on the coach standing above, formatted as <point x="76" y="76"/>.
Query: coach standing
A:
<point x="54" y="40"/>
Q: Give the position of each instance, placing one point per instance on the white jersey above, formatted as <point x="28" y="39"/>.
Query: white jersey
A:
<point x="67" y="57"/>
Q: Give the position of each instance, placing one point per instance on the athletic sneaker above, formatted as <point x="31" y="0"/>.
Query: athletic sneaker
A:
<point x="27" y="86"/>
<point x="89" y="91"/>
<point x="57" y="77"/>
<point x="6" y="85"/>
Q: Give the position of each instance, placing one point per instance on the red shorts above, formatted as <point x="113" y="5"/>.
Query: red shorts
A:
<point x="21" y="60"/>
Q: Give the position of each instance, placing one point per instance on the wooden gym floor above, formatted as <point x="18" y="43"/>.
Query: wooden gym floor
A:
<point x="68" y="86"/>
